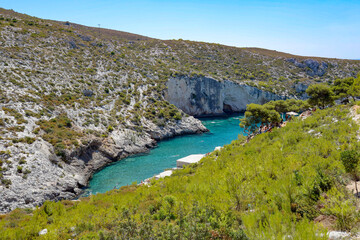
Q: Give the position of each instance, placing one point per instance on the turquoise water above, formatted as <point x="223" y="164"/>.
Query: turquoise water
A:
<point x="140" y="167"/>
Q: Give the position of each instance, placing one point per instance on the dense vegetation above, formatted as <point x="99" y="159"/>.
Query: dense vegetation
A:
<point x="346" y="88"/>
<point x="320" y="95"/>
<point x="269" y="113"/>
<point x="272" y="187"/>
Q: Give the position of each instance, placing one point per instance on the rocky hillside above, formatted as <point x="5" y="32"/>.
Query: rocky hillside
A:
<point x="75" y="98"/>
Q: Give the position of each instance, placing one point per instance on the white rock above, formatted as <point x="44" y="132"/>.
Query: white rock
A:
<point x="335" y="235"/>
<point x="207" y="96"/>
<point x="43" y="232"/>
<point x="166" y="173"/>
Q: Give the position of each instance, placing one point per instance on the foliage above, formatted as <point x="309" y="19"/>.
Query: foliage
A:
<point x="18" y="116"/>
<point x="269" y="113"/>
<point x="258" y="114"/>
<point x="269" y="188"/>
<point x="354" y="90"/>
<point x="288" y="105"/>
<point x="341" y="206"/>
<point x="320" y="95"/>
<point x="347" y="87"/>
<point x="59" y="132"/>
<point x="341" y="87"/>
<point x="350" y="160"/>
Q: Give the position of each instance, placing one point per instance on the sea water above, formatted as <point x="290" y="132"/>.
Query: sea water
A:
<point x="140" y="167"/>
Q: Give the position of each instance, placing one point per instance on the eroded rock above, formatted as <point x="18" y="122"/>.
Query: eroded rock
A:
<point x="203" y="96"/>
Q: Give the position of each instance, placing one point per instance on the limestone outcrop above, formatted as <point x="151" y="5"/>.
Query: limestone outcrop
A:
<point x="53" y="178"/>
<point x="203" y="96"/>
<point x="313" y="67"/>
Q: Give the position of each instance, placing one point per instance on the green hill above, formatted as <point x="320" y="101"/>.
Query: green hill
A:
<point x="270" y="188"/>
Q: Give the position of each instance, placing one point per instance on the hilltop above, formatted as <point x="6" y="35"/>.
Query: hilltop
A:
<point x="75" y="98"/>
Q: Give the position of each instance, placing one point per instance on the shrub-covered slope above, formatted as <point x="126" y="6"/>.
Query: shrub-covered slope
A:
<point x="270" y="188"/>
<point x="75" y="98"/>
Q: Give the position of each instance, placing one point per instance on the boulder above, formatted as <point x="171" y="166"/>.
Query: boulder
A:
<point x="43" y="232"/>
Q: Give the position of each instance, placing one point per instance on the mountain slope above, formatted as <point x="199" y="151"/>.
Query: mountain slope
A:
<point x="273" y="187"/>
<point x="75" y="98"/>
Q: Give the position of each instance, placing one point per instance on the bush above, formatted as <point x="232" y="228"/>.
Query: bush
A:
<point x="350" y="160"/>
<point x="59" y="133"/>
<point x="320" y="95"/>
<point x="178" y="116"/>
<point x="110" y="128"/>
<point x="6" y="182"/>
<point x="342" y="207"/>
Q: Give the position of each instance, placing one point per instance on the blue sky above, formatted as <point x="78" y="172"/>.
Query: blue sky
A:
<point x="313" y="28"/>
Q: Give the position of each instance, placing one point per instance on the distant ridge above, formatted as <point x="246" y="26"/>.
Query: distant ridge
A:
<point x="101" y="33"/>
<point x="107" y="34"/>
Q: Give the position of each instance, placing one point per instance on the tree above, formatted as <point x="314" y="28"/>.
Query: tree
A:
<point x="350" y="160"/>
<point x="341" y="87"/>
<point x="354" y="90"/>
<point x="269" y="113"/>
<point x="253" y="117"/>
<point x="280" y="106"/>
<point x="288" y="105"/>
<point x="320" y="95"/>
<point x="297" y="105"/>
<point x="258" y="114"/>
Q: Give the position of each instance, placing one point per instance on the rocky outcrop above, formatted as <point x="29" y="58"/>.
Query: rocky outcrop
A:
<point x="312" y="67"/>
<point x="203" y="96"/>
<point x="53" y="178"/>
<point x="300" y="89"/>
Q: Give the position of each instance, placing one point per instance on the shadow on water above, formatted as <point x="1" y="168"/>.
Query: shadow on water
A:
<point x="141" y="166"/>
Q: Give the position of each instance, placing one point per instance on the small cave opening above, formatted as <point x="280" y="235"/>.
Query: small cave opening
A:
<point x="227" y="109"/>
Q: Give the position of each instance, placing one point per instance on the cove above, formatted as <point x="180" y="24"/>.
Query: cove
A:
<point x="164" y="156"/>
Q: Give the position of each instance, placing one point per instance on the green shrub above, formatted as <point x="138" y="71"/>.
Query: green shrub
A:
<point x="342" y="207"/>
<point x="22" y="161"/>
<point x="350" y="160"/>
<point x="58" y="131"/>
<point x="6" y="182"/>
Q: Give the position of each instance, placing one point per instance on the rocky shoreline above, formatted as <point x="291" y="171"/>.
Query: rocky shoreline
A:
<point x="53" y="178"/>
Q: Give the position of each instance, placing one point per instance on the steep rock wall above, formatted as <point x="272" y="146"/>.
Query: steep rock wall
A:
<point x="202" y="96"/>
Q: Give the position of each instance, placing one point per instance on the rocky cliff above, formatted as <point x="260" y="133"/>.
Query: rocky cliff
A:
<point x="203" y="96"/>
<point x="42" y="175"/>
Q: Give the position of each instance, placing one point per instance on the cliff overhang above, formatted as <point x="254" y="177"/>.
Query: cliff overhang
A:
<point x="203" y="96"/>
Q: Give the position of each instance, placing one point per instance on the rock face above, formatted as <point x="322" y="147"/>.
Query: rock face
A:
<point x="300" y="89"/>
<point x="52" y="178"/>
<point x="314" y="68"/>
<point x="202" y="96"/>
